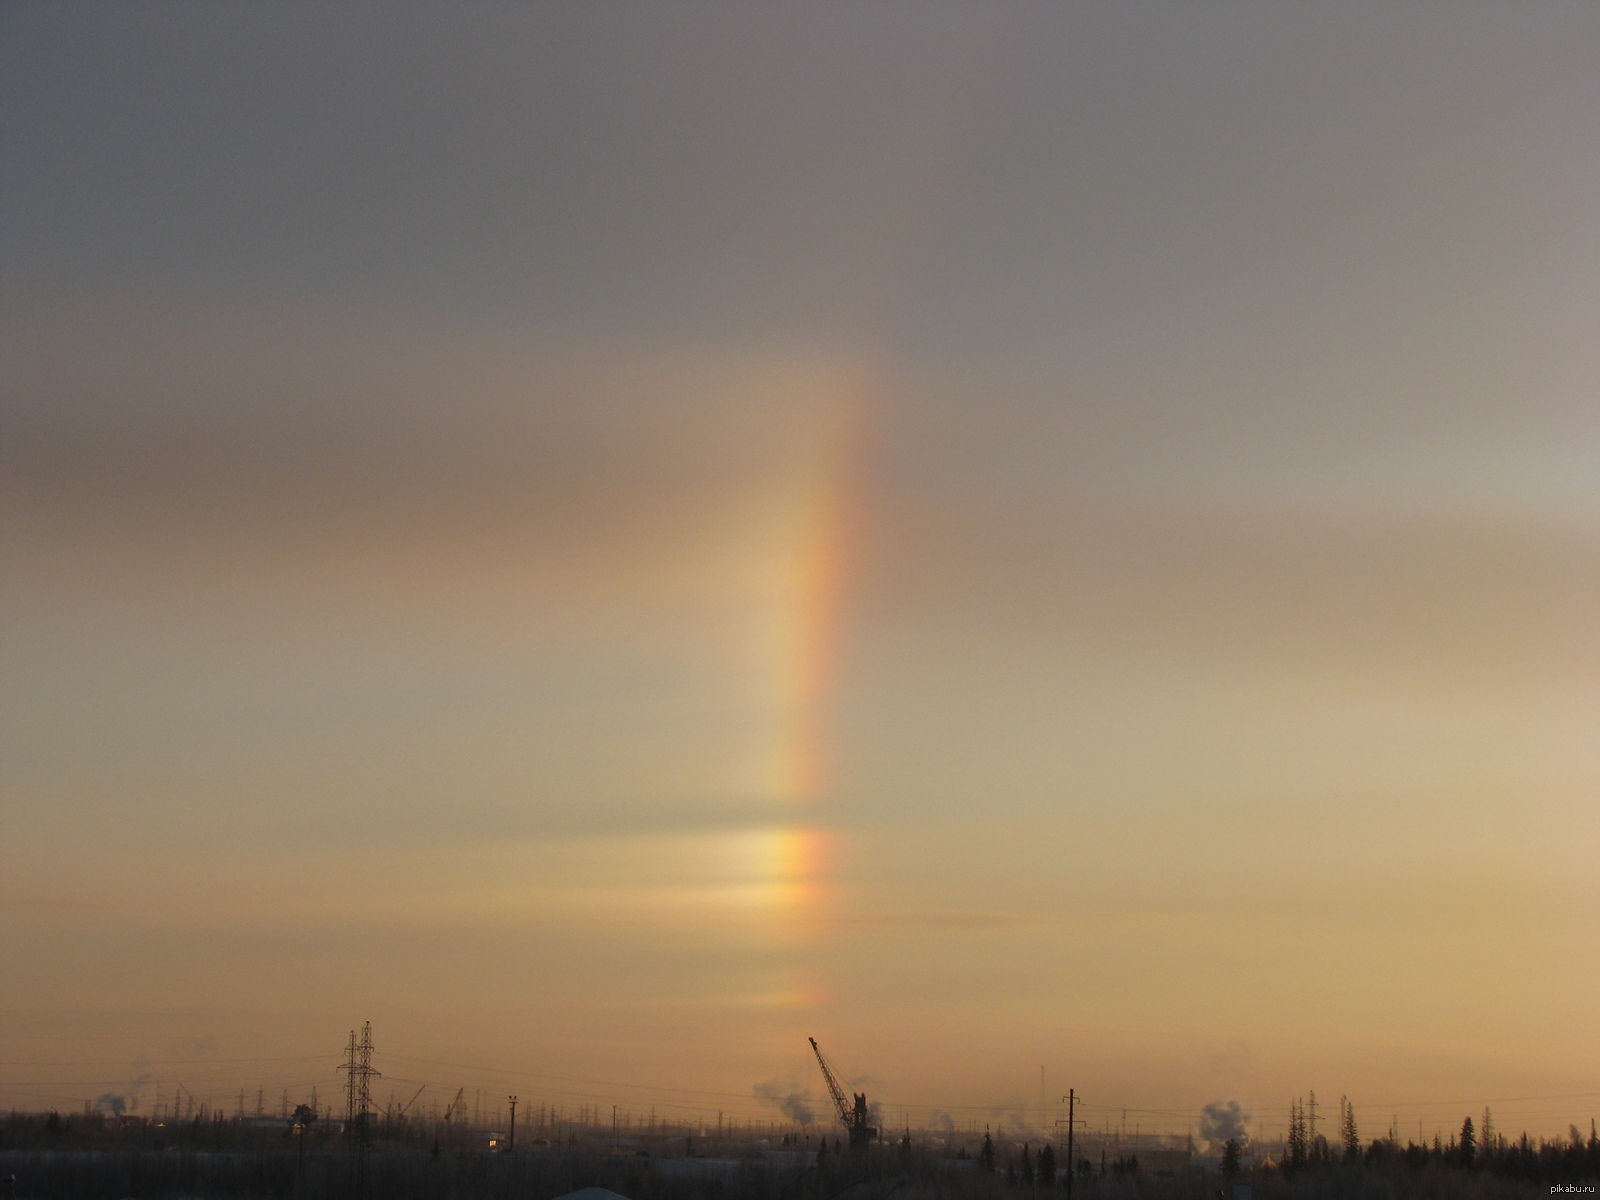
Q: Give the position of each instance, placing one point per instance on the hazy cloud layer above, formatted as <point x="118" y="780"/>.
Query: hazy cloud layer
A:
<point x="423" y="486"/>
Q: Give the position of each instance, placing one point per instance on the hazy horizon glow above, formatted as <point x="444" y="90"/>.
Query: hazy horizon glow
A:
<point x="607" y="540"/>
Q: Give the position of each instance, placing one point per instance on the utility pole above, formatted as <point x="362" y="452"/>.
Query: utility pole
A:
<point x="511" y="1138"/>
<point x="1072" y="1160"/>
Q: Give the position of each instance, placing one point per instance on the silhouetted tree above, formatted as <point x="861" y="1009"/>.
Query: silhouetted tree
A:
<point x="1347" y="1131"/>
<point x="1027" y="1166"/>
<point x="1230" y="1157"/>
<point x="986" y="1154"/>
<point x="1469" y="1144"/>
<point x="1047" y="1166"/>
<point x="1297" y="1146"/>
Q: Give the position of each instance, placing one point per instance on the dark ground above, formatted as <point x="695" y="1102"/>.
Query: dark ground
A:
<point x="103" y="1160"/>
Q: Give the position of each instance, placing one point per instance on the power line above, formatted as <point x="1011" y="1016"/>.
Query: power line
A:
<point x="174" y="1064"/>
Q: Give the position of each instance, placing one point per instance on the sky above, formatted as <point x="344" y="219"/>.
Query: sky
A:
<point x="1043" y="545"/>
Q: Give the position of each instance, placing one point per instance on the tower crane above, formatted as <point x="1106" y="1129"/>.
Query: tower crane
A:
<point x="854" y="1116"/>
<point x="455" y="1105"/>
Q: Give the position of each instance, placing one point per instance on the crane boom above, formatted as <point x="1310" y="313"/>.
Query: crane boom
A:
<point x="406" y="1107"/>
<point x="834" y="1089"/>
<point x="855" y="1116"/>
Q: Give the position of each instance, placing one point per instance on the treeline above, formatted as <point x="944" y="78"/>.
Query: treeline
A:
<point x="1474" y="1148"/>
<point x="205" y="1131"/>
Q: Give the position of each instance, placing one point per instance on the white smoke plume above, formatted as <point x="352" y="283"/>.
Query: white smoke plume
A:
<point x="793" y="1102"/>
<point x="117" y="1103"/>
<point x="1223" y="1121"/>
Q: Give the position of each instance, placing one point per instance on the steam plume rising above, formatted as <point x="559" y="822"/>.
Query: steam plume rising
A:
<point x="117" y="1103"/>
<point x="1224" y="1121"/>
<point x="792" y="1103"/>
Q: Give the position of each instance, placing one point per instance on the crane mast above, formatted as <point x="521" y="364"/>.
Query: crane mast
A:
<point x="854" y="1117"/>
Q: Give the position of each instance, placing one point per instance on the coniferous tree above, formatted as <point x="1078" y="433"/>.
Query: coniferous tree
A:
<point x="1047" y="1166"/>
<point x="1297" y="1146"/>
<point x="1230" y="1157"/>
<point x="1027" y="1166"/>
<point x="986" y="1154"/>
<point x="1347" y="1131"/>
<point x="1469" y="1144"/>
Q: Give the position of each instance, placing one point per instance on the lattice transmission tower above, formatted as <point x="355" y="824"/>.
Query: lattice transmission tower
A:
<point x="359" y="1074"/>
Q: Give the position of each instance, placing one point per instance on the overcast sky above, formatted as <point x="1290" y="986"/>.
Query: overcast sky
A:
<point x="607" y="539"/>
